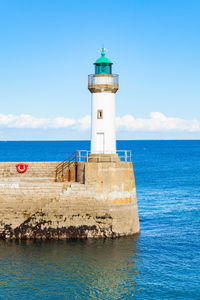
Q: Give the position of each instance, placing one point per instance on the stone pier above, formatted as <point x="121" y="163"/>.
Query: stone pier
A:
<point x="99" y="202"/>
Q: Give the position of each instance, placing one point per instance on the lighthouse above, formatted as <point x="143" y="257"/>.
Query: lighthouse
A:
<point x="103" y="85"/>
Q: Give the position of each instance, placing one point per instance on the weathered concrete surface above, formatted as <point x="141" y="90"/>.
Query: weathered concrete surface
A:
<point x="40" y="170"/>
<point x="103" y="205"/>
<point x="35" y="169"/>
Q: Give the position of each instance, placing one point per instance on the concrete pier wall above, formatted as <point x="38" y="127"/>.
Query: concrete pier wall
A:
<point x="35" y="169"/>
<point x="102" y="204"/>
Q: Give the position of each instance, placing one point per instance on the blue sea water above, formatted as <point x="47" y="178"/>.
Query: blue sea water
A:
<point x="163" y="262"/>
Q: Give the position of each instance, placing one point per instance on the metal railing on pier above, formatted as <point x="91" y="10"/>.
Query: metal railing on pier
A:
<point x="83" y="155"/>
<point x="63" y="170"/>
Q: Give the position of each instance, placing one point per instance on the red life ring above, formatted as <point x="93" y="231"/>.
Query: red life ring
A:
<point x="21" y="167"/>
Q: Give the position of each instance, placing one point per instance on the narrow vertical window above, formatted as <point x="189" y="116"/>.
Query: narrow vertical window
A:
<point x="99" y="114"/>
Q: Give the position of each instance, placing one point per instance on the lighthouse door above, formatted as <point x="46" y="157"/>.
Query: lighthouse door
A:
<point x="100" y="142"/>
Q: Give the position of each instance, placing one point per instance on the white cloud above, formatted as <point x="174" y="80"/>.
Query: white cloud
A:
<point x="27" y="121"/>
<point x="156" y="122"/>
<point x="84" y="123"/>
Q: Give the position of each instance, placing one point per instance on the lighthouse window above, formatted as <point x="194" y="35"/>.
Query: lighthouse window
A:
<point x="99" y="114"/>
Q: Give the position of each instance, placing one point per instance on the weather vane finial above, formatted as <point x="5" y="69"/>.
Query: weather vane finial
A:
<point x="103" y="51"/>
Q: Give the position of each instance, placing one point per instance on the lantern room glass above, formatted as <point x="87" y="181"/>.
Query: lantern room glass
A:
<point x="103" y="68"/>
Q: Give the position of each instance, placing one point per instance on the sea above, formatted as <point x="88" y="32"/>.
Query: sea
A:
<point x="162" y="262"/>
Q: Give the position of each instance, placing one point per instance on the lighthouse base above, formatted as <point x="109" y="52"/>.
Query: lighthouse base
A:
<point x="103" y="158"/>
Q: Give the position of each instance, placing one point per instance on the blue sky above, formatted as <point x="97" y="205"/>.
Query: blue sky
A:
<point x="47" y="49"/>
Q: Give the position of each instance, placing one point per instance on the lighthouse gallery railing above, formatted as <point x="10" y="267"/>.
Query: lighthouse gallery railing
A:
<point x="96" y="79"/>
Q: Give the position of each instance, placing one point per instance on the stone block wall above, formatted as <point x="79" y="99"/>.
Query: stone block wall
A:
<point x="81" y="172"/>
<point x="102" y="204"/>
<point x="108" y="178"/>
<point x="35" y="169"/>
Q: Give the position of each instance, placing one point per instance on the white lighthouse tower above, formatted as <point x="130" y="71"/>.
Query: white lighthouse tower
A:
<point x="103" y="85"/>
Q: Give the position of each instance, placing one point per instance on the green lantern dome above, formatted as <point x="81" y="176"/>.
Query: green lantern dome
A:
<point x="103" y="65"/>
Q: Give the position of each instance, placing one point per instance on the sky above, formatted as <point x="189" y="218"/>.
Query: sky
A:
<point x="47" y="50"/>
